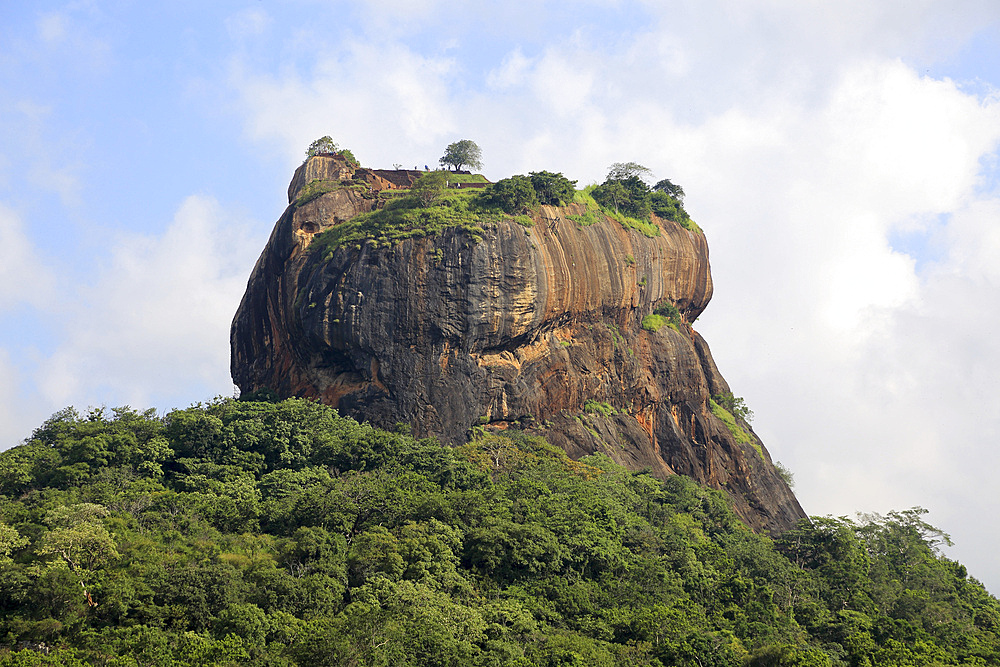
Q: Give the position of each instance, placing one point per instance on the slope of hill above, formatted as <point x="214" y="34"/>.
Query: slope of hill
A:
<point x="243" y="533"/>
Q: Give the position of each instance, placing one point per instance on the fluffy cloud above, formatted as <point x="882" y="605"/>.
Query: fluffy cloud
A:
<point x="382" y="100"/>
<point x="68" y="32"/>
<point x="27" y="291"/>
<point x="20" y="410"/>
<point x="247" y="23"/>
<point x="867" y="367"/>
<point x="153" y="329"/>
<point x="24" y="279"/>
<point x="150" y="329"/>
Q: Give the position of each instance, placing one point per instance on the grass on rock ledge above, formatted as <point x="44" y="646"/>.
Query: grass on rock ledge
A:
<point x="404" y="217"/>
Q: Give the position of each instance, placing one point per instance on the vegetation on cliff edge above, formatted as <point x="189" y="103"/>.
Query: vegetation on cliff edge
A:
<point x="327" y="146"/>
<point x="626" y="196"/>
<point x="426" y="211"/>
<point x="256" y="533"/>
<point x="433" y="204"/>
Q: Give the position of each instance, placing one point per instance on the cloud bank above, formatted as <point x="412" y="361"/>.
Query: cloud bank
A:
<point x="151" y="326"/>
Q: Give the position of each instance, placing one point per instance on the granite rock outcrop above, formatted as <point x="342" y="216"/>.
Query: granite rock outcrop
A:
<point x="536" y="328"/>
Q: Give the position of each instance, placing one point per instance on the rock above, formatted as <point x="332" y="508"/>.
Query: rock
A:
<point x="534" y="328"/>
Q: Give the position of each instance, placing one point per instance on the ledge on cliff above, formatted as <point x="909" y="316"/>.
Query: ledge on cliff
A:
<point x="455" y="317"/>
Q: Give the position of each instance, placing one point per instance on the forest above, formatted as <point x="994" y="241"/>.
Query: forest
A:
<point x="278" y="533"/>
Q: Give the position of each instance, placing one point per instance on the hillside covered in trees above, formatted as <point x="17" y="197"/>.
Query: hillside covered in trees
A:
<point x="238" y="532"/>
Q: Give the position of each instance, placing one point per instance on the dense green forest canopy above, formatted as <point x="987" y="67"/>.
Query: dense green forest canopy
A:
<point x="259" y="533"/>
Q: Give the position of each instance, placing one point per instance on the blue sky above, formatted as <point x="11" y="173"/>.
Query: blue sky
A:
<point x="842" y="158"/>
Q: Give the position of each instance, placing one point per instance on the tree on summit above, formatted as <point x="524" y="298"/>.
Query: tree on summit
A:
<point x="622" y="171"/>
<point x="461" y="153"/>
<point x="514" y="195"/>
<point x="667" y="201"/>
<point x="554" y="189"/>
<point x="322" y="145"/>
<point x="429" y="187"/>
<point x="625" y="190"/>
<point x="670" y="188"/>
<point x="325" y="145"/>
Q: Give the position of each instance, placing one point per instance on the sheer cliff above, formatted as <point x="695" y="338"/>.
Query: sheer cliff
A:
<point x="536" y="327"/>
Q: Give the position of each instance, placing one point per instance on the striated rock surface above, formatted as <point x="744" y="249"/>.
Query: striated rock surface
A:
<point x="533" y="328"/>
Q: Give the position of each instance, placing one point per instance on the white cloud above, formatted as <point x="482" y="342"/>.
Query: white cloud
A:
<point x="20" y="412"/>
<point x="155" y="324"/>
<point x="36" y="151"/>
<point x="561" y="86"/>
<point x="249" y="22"/>
<point x="70" y="33"/>
<point x="867" y="375"/>
<point x="910" y="143"/>
<point x="52" y="27"/>
<point x="27" y="287"/>
<point x="23" y="276"/>
<point x="512" y="71"/>
<point x="383" y="101"/>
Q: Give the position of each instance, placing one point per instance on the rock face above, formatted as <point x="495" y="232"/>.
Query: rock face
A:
<point x="534" y="328"/>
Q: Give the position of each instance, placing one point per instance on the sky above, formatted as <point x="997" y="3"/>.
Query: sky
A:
<point x="842" y="158"/>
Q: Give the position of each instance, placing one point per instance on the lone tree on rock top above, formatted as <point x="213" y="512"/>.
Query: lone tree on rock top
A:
<point x="622" y="171"/>
<point x="322" y="145"/>
<point x="625" y="190"/>
<point x="463" y="152"/>
<point x="671" y="188"/>
<point x="326" y="145"/>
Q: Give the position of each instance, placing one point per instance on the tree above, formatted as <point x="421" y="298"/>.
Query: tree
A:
<point x="78" y="536"/>
<point x="626" y="190"/>
<point x="629" y="195"/>
<point x="322" y="145"/>
<point x="326" y="145"/>
<point x="675" y="191"/>
<point x="429" y="187"/>
<point x="735" y="404"/>
<point x="377" y="546"/>
<point x="10" y="541"/>
<point x="667" y="207"/>
<point x="462" y="152"/>
<point x="621" y="171"/>
<point x="349" y="157"/>
<point x="554" y="189"/>
<point x="514" y="195"/>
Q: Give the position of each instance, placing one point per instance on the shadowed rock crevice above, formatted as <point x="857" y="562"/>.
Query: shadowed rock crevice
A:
<point x="525" y="328"/>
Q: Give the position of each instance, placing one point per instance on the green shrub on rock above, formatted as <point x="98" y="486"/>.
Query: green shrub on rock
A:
<point x="554" y="189"/>
<point x="514" y="195"/>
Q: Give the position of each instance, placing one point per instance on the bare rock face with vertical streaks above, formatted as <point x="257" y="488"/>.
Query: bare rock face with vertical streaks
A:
<point x="536" y="328"/>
